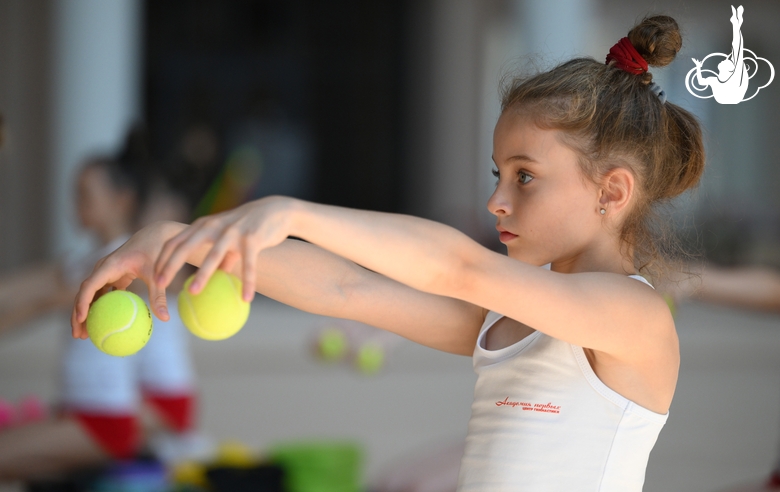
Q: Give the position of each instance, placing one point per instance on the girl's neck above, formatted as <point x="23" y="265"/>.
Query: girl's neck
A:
<point x="605" y="258"/>
<point x="573" y="266"/>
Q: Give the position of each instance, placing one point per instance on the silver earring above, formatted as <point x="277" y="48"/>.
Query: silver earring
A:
<point x="603" y="211"/>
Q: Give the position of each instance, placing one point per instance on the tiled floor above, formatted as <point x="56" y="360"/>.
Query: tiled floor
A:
<point x="262" y="386"/>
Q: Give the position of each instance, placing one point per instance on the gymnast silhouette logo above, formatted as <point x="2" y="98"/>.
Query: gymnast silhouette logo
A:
<point x="730" y="84"/>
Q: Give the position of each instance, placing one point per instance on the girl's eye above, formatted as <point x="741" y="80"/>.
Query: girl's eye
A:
<point x="524" y="177"/>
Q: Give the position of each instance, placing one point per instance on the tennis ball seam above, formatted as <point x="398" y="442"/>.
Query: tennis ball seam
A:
<point x="127" y="326"/>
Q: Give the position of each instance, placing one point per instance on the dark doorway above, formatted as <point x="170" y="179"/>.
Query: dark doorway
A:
<point x="314" y="87"/>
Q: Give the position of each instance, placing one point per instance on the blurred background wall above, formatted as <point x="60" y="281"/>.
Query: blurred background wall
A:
<point x="25" y="162"/>
<point x="386" y="105"/>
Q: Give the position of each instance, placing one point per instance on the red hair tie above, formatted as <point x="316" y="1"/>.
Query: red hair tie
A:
<point x="627" y="57"/>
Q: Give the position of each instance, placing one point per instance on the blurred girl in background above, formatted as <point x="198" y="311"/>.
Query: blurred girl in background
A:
<point x="100" y="413"/>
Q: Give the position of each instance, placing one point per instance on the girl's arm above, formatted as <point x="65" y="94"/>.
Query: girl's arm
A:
<point x="304" y="276"/>
<point x="29" y="293"/>
<point x="744" y="287"/>
<point x="312" y="279"/>
<point x="603" y="311"/>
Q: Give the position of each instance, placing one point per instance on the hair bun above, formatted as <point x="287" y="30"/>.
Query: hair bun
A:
<point x="657" y="39"/>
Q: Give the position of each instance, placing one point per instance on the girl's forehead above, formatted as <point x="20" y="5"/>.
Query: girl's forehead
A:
<point x="516" y="134"/>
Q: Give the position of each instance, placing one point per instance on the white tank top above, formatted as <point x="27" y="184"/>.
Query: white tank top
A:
<point x="542" y="421"/>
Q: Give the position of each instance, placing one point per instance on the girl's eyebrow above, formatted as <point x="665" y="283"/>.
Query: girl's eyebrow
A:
<point x="520" y="157"/>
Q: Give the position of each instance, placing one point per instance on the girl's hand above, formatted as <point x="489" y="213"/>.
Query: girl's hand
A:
<point x="238" y="234"/>
<point x="134" y="259"/>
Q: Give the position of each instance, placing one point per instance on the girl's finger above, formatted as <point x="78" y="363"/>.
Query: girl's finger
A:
<point x="88" y="291"/>
<point x="178" y="256"/>
<point x="230" y="261"/>
<point x="160" y="275"/>
<point x="250" y="261"/>
<point x="158" y="302"/>
<point x="212" y="260"/>
<point x="102" y="291"/>
<point x="99" y="264"/>
<point x="77" y="327"/>
<point x="123" y="283"/>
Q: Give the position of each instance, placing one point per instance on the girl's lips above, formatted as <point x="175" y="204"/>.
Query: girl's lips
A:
<point x="506" y="236"/>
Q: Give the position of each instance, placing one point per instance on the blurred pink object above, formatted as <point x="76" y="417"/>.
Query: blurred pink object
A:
<point x="6" y="414"/>
<point x="31" y="409"/>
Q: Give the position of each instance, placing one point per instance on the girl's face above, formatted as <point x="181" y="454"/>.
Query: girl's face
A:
<point x="549" y="209"/>
<point x="98" y="204"/>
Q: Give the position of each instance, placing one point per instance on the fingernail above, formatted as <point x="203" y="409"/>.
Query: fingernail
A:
<point x="164" y="311"/>
<point x="195" y="286"/>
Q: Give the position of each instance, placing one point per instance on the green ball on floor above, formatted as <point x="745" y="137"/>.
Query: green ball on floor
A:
<point x="332" y="344"/>
<point x="370" y="358"/>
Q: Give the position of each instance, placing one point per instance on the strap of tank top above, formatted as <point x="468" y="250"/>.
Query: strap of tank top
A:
<point x="642" y="279"/>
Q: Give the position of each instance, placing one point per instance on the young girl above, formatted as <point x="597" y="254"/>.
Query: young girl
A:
<point x="577" y="365"/>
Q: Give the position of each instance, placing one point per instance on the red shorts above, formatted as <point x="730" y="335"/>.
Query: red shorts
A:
<point x="120" y="435"/>
<point x="176" y="411"/>
<point x="117" y="435"/>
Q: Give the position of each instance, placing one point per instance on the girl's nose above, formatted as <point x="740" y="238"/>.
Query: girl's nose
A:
<point x="499" y="204"/>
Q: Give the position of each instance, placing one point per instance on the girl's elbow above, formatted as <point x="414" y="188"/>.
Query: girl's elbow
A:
<point x="466" y="268"/>
<point x="451" y="278"/>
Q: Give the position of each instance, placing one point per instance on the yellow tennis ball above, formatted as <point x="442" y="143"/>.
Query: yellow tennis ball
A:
<point x="332" y="344"/>
<point x="218" y="311"/>
<point x="370" y="358"/>
<point x="119" y="323"/>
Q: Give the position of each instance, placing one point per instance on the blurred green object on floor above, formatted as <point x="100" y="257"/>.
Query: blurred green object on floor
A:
<point x="319" y="466"/>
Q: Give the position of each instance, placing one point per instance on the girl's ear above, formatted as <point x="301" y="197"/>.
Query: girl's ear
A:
<point x="617" y="188"/>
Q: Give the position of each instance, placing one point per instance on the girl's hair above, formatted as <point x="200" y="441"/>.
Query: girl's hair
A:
<point x="127" y="172"/>
<point x="610" y="118"/>
<point x="119" y="176"/>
